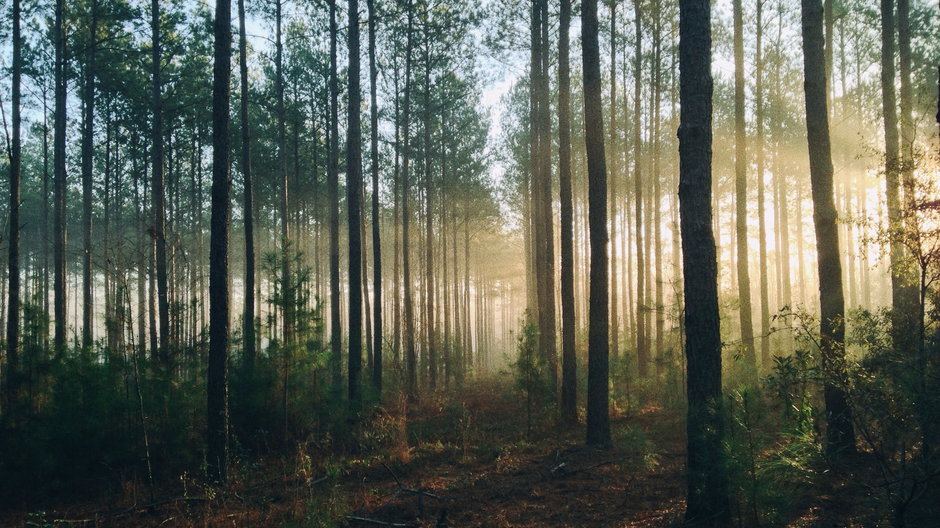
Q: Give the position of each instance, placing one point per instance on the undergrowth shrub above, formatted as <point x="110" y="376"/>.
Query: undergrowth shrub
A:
<point x="532" y="377"/>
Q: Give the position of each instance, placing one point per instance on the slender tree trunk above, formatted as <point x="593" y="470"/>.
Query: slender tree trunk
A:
<point x="598" y="419"/>
<point x="657" y="186"/>
<point x="59" y="188"/>
<point x="547" y="332"/>
<point x="907" y="129"/>
<point x="396" y="257"/>
<point x="458" y="335"/>
<point x="376" y="232"/>
<point x="88" y="149"/>
<point x="432" y="352"/>
<point x="740" y="187"/>
<point x="13" y="304"/>
<point x="761" y="211"/>
<point x="353" y="208"/>
<point x="612" y="159"/>
<point x="447" y="347"/>
<point x="336" y="329"/>
<point x="901" y="289"/>
<point x="287" y="287"/>
<point x="642" y="346"/>
<point x="840" y="434"/>
<point x="707" y="501"/>
<point x="217" y="374"/>
<point x="46" y="238"/>
<point x="569" y="381"/>
<point x="248" y="213"/>
<point x="159" y="193"/>
<point x="411" y="367"/>
<point x="783" y="204"/>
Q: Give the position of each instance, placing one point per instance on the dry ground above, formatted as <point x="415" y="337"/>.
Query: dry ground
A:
<point x="468" y="464"/>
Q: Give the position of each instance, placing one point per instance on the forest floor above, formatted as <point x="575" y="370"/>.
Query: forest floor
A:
<point x="460" y="461"/>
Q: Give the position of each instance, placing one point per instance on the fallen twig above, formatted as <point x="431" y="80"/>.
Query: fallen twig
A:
<point x="377" y="521"/>
<point x="402" y="487"/>
<point x="557" y="470"/>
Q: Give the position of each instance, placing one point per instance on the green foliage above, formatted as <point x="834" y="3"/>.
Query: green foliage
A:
<point x="84" y="427"/>
<point x="86" y="413"/>
<point x="638" y="445"/>
<point x="286" y="394"/>
<point x="775" y="438"/>
<point x="773" y="459"/>
<point x="531" y="375"/>
<point x="896" y="411"/>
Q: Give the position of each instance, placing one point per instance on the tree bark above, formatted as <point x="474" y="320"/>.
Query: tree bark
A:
<point x="547" y="330"/>
<point x="353" y="208"/>
<point x="569" y="381"/>
<point x="598" y="419"/>
<point x="249" y="212"/>
<point x="217" y="373"/>
<point x="159" y="193"/>
<point x="287" y="288"/>
<point x="376" y="232"/>
<point x="432" y="348"/>
<point x="13" y="304"/>
<point x="336" y="336"/>
<point x="740" y="188"/>
<point x="59" y="187"/>
<point x="657" y="188"/>
<point x="614" y="173"/>
<point x="411" y="367"/>
<point x="88" y="151"/>
<point x="761" y="210"/>
<point x="902" y="290"/>
<point x="839" y="434"/>
<point x="707" y="501"/>
<point x="642" y="344"/>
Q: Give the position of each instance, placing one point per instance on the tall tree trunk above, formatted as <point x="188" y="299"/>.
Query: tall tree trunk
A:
<point x="915" y="301"/>
<point x="287" y="287"/>
<point x="614" y="173"/>
<point x="46" y="238"/>
<point x="707" y="501"/>
<point x="88" y="150"/>
<point x="411" y="367"/>
<point x="547" y="331"/>
<point x="761" y="211"/>
<point x="740" y="188"/>
<point x="376" y="233"/>
<point x="336" y="337"/>
<point x="59" y="187"/>
<point x="569" y="381"/>
<point x="782" y="204"/>
<point x="660" y="312"/>
<point x="642" y="345"/>
<point x="530" y="177"/>
<point x="839" y="434"/>
<point x="901" y="289"/>
<point x="353" y="208"/>
<point x="432" y="351"/>
<point x="217" y="374"/>
<point x="598" y="419"/>
<point x="159" y="193"/>
<point x="13" y="305"/>
<point x="540" y="167"/>
<point x="396" y="216"/>
<point x="248" y="204"/>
